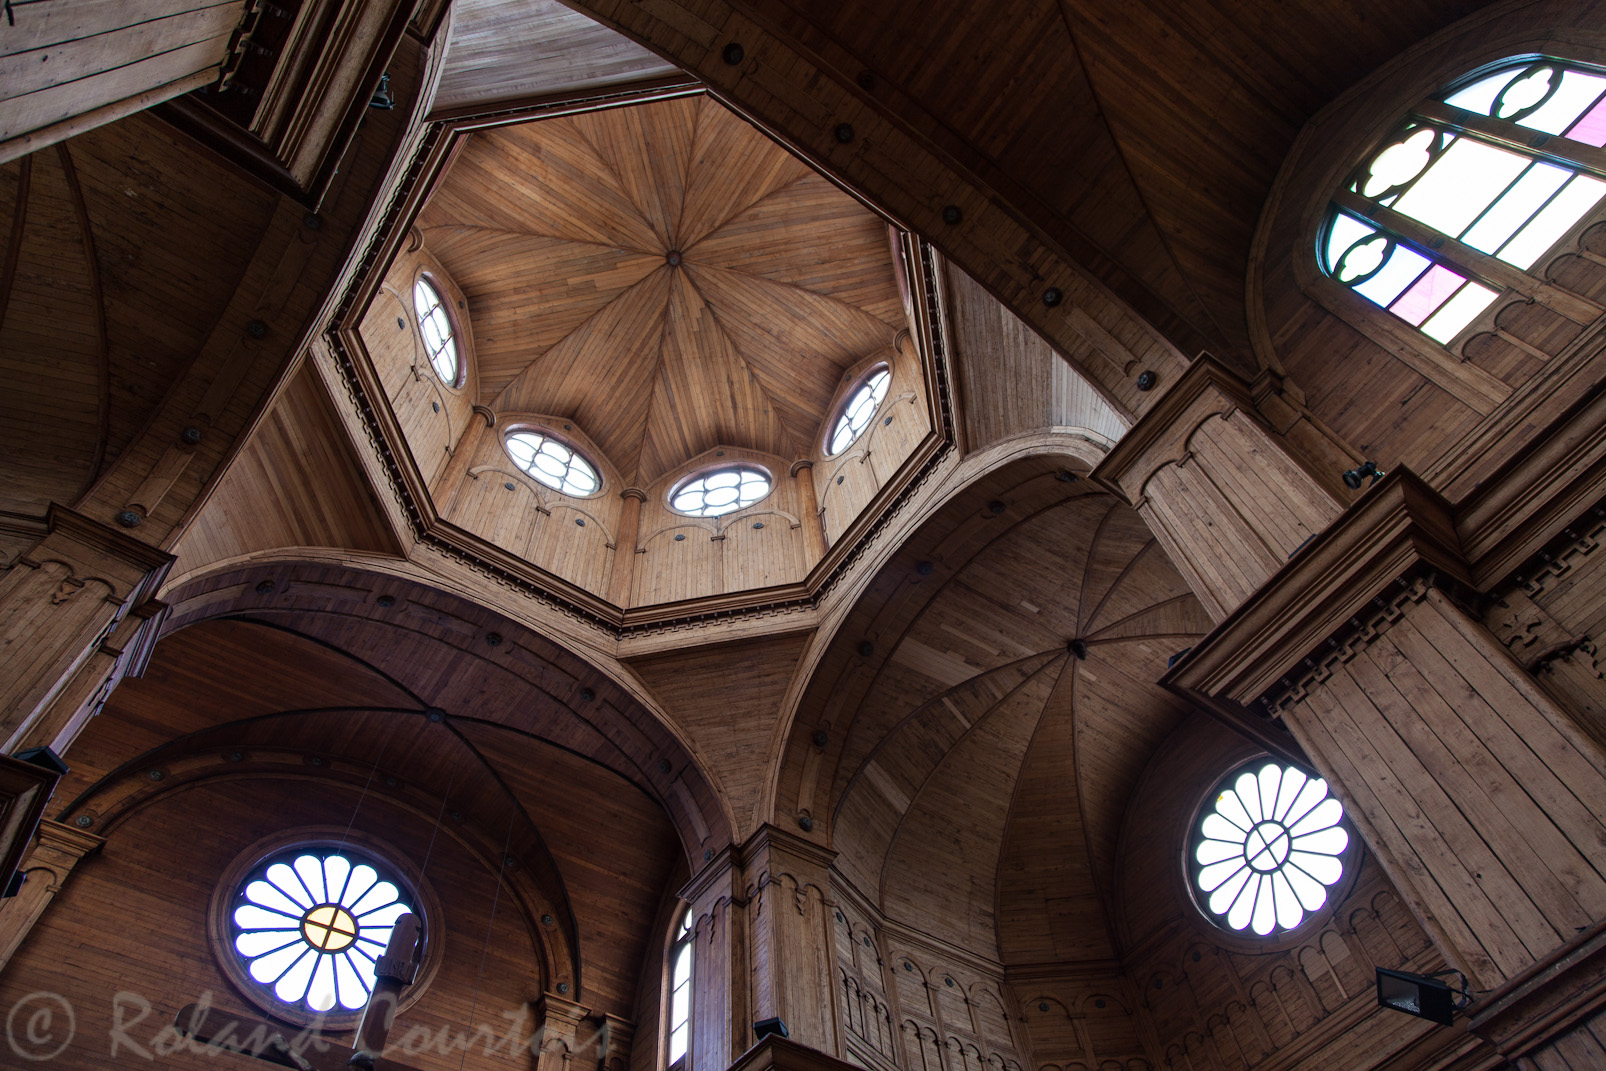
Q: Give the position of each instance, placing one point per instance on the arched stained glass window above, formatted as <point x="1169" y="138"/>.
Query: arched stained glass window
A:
<point x="722" y="491"/>
<point x="435" y="325"/>
<point x="309" y="925"/>
<point x="680" y="963"/>
<point x="1469" y="196"/>
<point x="1266" y="848"/>
<point x="553" y="463"/>
<point x="860" y="407"/>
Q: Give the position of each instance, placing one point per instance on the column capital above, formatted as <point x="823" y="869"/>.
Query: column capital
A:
<point x="1208" y="388"/>
<point x="1400" y="527"/>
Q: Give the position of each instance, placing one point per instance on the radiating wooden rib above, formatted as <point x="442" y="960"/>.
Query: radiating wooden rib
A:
<point x="19" y="220"/>
<point x="1489" y="269"/>
<point x="733" y="166"/>
<point x="98" y="298"/>
<point x="706" y="393"/>
<point x="617" y="346"/>
<point x="648" y="150"/>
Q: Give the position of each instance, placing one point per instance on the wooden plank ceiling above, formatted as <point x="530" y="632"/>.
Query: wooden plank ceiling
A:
<point x="505" y="50"/>
<point x="665" y="276"/>
<point x="988" y="708"/>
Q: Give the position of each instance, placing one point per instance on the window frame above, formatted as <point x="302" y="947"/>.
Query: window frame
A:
<point x="1443" y="364"/>
<point x="1246" y="940"/>
<point x="394" y="866"/>
<point x="706" y="471"/>
<point x="458" y="340"/>
<point x="845" y="400"/>
<point x="528" y="427"/>
<point x="682" y="941"/>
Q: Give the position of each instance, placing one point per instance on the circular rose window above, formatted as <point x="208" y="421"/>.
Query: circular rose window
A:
<point x="307" y="924"/>
<point x="1267" y="848"/>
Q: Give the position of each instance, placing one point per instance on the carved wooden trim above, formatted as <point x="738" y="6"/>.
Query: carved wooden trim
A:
<point x="1400" y="525"/>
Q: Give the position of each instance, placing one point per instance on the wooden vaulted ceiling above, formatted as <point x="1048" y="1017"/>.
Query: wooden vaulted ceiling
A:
<point x="664" y="275"/>
<point x="980" y="756"/>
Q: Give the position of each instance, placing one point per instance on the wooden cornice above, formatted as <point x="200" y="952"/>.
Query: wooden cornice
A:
<point x="780" y="1054"/>
<point x="1163" y="432"/>
<point x="104" y="539"/>
<point x="1401" y="524"/>
<point x="1538" y="492"/>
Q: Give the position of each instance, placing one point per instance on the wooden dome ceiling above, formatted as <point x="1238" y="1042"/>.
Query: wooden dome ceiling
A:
<point x="665" y="276"/>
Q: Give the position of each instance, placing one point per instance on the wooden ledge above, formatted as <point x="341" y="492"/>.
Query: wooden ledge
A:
<point x="1399" y="525"/>
<point x="782" y="1054"/>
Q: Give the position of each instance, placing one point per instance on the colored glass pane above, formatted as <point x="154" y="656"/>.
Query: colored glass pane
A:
<point x="1427" y="294"/>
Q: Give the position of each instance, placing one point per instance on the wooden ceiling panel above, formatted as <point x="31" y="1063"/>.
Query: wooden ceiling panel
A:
<point x="502" y="51"/>
<point x="515" y="324"/>
<point x="706" y="393"/>
<point x="539" y="178"/>
<point x="604" y="372"/>
<point x="53" y="356"/>
<point x="733" y="167"/>
<point x="664" y="275"/>
<point x="649" y="152"/>
<point x="810" y="236"/>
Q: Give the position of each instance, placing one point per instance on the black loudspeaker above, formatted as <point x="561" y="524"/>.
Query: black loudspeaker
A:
<point x="766" y="1027"/>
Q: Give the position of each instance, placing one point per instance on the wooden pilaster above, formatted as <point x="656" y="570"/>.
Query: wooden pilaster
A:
<point x="1481" y="796"/>
<point x="1226" y="493"/>
<point x="61" y="602"/>
<point x="57" y="851"/>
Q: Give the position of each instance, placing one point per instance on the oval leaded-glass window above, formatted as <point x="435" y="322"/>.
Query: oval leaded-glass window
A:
<point x="859" y="408"/>
<point x="435" y="325"/>
<point x="309" y="925"/>
<point x="721" y="491"/>
<point x="1267" y="848"/>
<point x="553" y="463"/>
<point x="1468" y="197"/>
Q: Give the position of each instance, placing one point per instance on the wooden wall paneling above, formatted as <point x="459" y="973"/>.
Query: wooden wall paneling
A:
<point x="162" y="866"/>
<point x="727" y="698"/>
<point x="297" y="483"/>
<point x="70" y="60"/>
<point x="1013" y="381"/>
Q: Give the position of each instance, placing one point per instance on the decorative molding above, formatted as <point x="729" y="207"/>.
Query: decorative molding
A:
<point x="1400" y="525"/>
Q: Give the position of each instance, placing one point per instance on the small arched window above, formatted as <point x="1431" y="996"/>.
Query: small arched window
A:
<point x="1266" y="847"/>
<point x="721" y="491"/>
<point x="440" y="337"/>
<point x="680" y="964"/>
<point x="856" y="412"/>
<point x="553" y="462"/>
<point x="1466" y="200"/>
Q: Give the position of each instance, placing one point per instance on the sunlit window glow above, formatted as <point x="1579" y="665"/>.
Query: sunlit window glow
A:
<point x="553" y="463"/>
<point x="721" y="491"/>
<point x="859" y="409"/>
<point x="435" y="324"/>
<point x="1268" y="848"/>
<point x="1491" y="198"/>
<point x="680" y="957"/>
<point x="310" y="927"/>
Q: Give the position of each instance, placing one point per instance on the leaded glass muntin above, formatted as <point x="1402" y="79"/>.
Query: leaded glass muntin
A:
<point x="858" y="409"/>
<point x="351" y="924"/>
<point x="1272" y="851"/>
<point x="553" y="461"/>
<point x="714" y="492"/>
